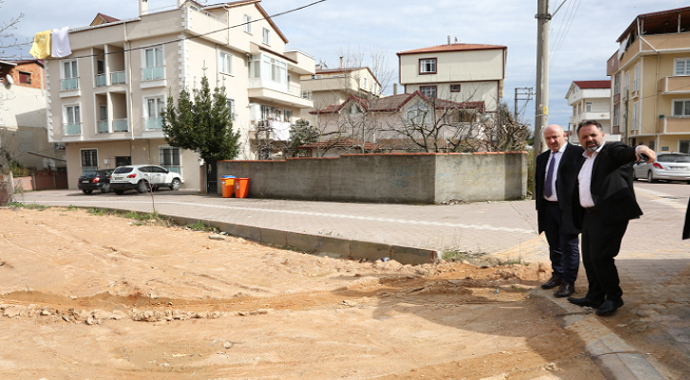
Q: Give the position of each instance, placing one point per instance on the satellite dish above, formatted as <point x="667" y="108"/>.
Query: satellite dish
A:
<point x="9" y="79"/>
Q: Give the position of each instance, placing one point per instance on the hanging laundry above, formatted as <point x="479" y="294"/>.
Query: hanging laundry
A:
<point x="60" y="43"/>
<point x="41" y="46"/>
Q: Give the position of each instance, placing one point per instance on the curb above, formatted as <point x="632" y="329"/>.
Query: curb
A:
<point x="616" y="359"/>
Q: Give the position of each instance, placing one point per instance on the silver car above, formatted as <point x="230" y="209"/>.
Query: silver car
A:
<point x="668" y="166"/>
<point x="142" y="178"/>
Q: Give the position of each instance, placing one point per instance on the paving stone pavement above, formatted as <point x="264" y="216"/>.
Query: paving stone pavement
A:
<point x="654" y="262"/>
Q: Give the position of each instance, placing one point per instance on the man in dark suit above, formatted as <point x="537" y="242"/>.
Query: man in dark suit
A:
<point x="555" y="180"/>
<point x="686" y="227"/>
<point x="604" y="205"/>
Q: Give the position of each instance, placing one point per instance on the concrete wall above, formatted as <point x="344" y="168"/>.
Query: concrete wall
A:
<point x="424" y="178"/>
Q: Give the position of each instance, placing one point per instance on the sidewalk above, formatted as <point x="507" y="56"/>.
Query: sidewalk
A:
<point x="654" y="263"/>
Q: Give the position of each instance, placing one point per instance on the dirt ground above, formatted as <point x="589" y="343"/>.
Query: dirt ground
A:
<point x="87" y="296"/>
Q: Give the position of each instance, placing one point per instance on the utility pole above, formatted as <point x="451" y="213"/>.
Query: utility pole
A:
<point x="541" y="114"/>
<point x="526" y="91"/>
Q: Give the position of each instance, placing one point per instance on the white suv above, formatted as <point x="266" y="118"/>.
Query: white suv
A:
<point x="142" y="178"/>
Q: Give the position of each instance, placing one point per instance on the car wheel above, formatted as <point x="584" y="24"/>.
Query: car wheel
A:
<point x="142" y="186"/>
<point x="175" y="185"/>
<point x="87" y="191"/>
<point x="118" y="192"/>
<point x="105" y="188"/>
<point x="650" y="177"/>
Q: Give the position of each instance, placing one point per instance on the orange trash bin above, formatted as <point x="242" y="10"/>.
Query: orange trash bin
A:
<point x="228" y="187"/>
<point x="241" y="187"/>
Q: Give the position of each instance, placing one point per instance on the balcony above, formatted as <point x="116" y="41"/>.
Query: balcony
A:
<point x="69" y="84"/>
<point x="101" y="80"/>
<point x="118" y="77"/>
<point x="103" y="126"/>
<point x="153" y="124"/>
<point x="153" y="73"/>
<point x="280" y="93"/>
<point x="72" y="129"/>
<point x="674" y="85"/>
<point x="120" y="125"/>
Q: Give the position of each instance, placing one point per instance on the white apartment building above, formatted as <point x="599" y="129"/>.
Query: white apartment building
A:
<point x="457" y="72"/>
<point x="591" y="100"/>
<point x="106" y="98"/>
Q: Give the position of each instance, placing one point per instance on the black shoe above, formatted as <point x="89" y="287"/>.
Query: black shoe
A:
<point x="566" y="290"/>
<point x="553" y="282"/>
<point x="582" y="302"/>
<point x="609" y="307"/>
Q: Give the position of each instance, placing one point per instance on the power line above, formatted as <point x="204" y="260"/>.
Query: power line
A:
<point x="191" y="37"/>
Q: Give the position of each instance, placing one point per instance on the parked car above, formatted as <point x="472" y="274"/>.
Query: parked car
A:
<point x="668" y="166"/>
<point x="95" y="180"/>
<point x="142" y="178"/>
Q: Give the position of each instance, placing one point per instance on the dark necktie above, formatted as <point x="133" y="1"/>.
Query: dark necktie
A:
<point x="548" y="188"/>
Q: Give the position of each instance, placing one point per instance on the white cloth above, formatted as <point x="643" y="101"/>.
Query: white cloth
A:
<point x="557" y="157"/>
<point x="60" y="43"/>
<point x="281" y="130"/>
<point x="584" y="178"/>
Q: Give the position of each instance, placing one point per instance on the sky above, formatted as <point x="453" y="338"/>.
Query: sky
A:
<point x="582" y="38"/>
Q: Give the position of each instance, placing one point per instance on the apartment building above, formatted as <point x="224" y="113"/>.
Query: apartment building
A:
<point x="106" y="99"/>
<point x="591" y="100"/>
<point x="23" y="133"/>
<point x="650" y="81"/>
<point x="334" y="86"/>
<point x="457" y="72"/>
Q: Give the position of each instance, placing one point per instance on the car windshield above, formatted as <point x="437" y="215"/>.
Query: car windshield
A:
<point x="674" y="158"/>
<point x="123" y="169"/>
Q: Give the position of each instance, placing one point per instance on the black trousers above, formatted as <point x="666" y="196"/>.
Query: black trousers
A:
<point x="563" y="248"/>
<point x="601" y="242"/>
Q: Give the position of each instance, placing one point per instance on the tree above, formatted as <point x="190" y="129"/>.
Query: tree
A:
<point x="301" y="133"/>
<point x="203" y="125"/>
<point x="7" y="39"/>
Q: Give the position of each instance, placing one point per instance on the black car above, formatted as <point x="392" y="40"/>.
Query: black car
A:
<point x="95" y="180"/>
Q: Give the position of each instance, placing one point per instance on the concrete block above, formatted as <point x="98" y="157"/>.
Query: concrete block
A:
<point x="369" y="251"/>
<point x="248" y="232"/>
<point x="306" y="242"/>
<point x="273" y="237"/>
<point x="333" y="245"/>
<point x="410" y="255"/>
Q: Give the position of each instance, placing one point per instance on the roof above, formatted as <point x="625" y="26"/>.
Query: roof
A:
<point x="452" y="47"/>
<point x="395" y="103"/>
<point x="347" y="70"/>
<point x="593" y="84"/>
<point x="660" y="22"/>
<point x="15" y="62"/>
<point x="341" y="143"/>
<point x="106" y="18"/>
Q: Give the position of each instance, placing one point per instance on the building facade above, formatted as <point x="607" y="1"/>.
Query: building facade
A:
<point x="106" y="99"/>
<point x="650" y="81"/>
<point x="591" y="100"/>
<point x="457" y="72"/>
<point x="23" y="133"/>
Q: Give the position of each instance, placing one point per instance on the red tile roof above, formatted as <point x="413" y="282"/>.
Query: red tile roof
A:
<point x="106" y="18"/>
<point x="395" y="103"/>
<point x="452" y="47"/>
<point x="592" y="84"/>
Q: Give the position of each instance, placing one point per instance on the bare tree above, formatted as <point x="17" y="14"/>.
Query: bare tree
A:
<point x="7" y="38"/>
<point x="377" y="62"/>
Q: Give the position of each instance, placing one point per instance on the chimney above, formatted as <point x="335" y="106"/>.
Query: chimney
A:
<point x="341" y="62"/>
<point x="449" y="39"/>
<point x="143" y="7"/>
<point x="395" y="89"/>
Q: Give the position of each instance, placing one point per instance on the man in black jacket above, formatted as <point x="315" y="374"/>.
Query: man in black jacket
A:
<point x="555" y="180"/>
<point x="604" y="205"/>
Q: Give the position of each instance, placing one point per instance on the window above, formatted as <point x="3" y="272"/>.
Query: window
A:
<point x="153" y="65"/>
<point x="682" y="66"/>
<point x="651" y="144"/>
<point x="69" y="76"/>
<point x="266" y="37"/>
<point x="103" y="118"/>
<point x="231" y="106"/>
<point x="588" y="106"/>
<point x="427" y="66"/>
<point x="428" y="91"/>
<point x="681" y="108"/>
<point x="635" y="116"/>
<point x="225" y="63"/>
<point x="626" y="86"/>
<point x="169" y="158"/>
<point x="454" y="88"/>
<point x="275" y="70"/>
<point x="684" y="146"/>
<point x="287" y="115"/>
<point x="617" y="84"/>
<point x="317" y="76"/>
<point x="154" y="107"/>
<point x="72" y="119"/>
<point x="248" y="24"/>
<point x="636" y="78"/>
<point x="24" y="77"/>
<point x="417" y="113"/>
<point x="365" y="82"/>
<point x="616" y="115"/>
<point x="89" y="160"/>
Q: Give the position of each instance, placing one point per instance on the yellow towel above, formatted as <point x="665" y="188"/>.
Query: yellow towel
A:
<point x="41" y="46"/>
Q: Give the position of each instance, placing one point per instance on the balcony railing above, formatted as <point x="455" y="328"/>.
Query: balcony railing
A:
<point x="118" y="77"/>
<point x="153" y="123"/>
<point x="120" y="125"/>
<point x="103" y="126"/>
<point x="72" y="128"/>
<point x="69" y="84"/>
<point x="101" y="80"/>
<point x="153" y="73"/>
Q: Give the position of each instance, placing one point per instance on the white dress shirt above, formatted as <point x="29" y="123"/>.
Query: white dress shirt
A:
<point x="584" y="178"/>
<point x="556" y="156"/>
